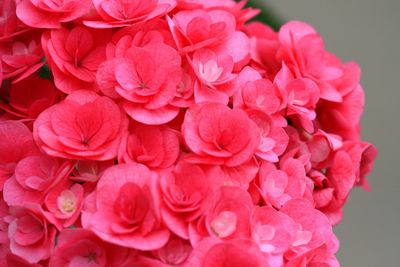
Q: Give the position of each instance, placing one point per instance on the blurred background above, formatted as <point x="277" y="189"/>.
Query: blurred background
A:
<point x="368" y="32"/>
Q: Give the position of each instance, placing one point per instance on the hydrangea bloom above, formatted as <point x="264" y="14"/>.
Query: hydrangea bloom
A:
<point x="123" y="209"/>
<point x="172" y="133"/>
<point x="45" y="14"/>
<point x="26" y="102"/>
<point x="219" y="135"/>
<point x="22" y="56"/>
<point x="83" y="126"/>
<point x="74" y="57"/>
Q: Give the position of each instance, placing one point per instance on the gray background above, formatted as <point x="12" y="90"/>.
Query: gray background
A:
<point x="366" y="31"/>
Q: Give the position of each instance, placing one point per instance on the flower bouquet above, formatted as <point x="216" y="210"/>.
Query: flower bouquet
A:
<point x="172" y="133"/>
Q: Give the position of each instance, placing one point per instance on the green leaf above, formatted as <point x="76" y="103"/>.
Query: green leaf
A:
<point x="267" y="15"/>
<point x="45" y="72"/>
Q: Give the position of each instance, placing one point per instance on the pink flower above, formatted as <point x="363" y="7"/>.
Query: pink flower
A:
<point x="139" y="35"/>
<point x="300" y="97"/>
<point x="217" y="134"/>
<point x="10" y="26"/>
<point x="257" y="93"/>
<point x="184" y="200"/>
<point x="215" y="78"/>
<point x="64" y="204"/>
<point x="44" y="14"/>
<point x="21" y="57"/>
<point x="322" y="145"/>
<point x="1" y="73"/>
<point x="31" y="237"/>
<point x="123" y="209"/>
<point x="211" y="68"/>
<point x="172" y="133"/>
<point x="272" y="230"/>
<point x="34" y="178"/>
<point x="119" y="13"/>
<point x="153" y="146"/>
<point x="362" y="155"/>
<point x="278" y="186"/>
<point x="83" y="126"/>
<point x="27" y="101"/>
<point x="4" y="215"/>
<point x="214" y="29"/>
<point x="302" y="49"/>
<point x="146" y="78"/>
<point x="90" y="170"/>
<point x="184" y="94"/>
<point x="331" y="192"/>
<point x="175" y="252"/>
<point x="14" y="260"/>
<point x="237" y="253"/>
<point x="241" y="175"/>
<point x="313" y="227"/>
<point x="74" y="57"/>
<point x="16" y="143"/>
<point x="350" y="79"/>
<point x="236" y="8"/>
<point x="209" y="4"/>
<point x="297" y="147"/>
<point x="343" y="118"/>
<point x="228" y="216"/>
<point x="79" y="247"/>
<point x="274" y="139"/>
<point x="264" y="45"/>
<point x="321" y="256"/>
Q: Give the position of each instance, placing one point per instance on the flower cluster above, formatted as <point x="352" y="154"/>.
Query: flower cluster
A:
<point x="172" y="133"/>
